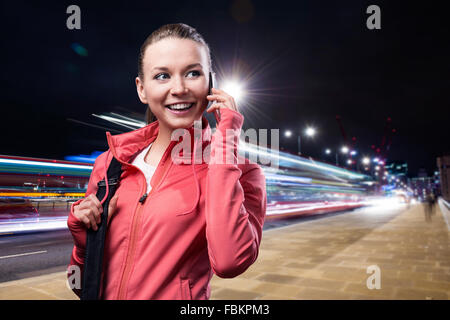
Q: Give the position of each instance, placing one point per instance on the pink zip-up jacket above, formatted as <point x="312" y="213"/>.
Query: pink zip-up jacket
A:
<point x="198" y="219"/>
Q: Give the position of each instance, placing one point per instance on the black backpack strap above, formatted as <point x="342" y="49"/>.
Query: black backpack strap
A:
<point x="95" y="241"/>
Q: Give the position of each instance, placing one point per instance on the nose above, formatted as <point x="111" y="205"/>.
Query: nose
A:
<point x="178" y="86"/>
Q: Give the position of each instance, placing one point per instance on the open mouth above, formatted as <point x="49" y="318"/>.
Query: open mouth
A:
<point x="180" y="106"/>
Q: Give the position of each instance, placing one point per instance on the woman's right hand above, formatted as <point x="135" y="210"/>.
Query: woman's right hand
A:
<point x="89" y="211"/>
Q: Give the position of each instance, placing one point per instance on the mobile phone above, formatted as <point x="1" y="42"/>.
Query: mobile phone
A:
<point x="212" y="83"/>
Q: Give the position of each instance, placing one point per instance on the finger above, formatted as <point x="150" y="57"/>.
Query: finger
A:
<point x="219" y="91"/>
<point x="96" y="202"/>
<point x="218" y="106"/>
<point x="86" y="221"/>
<point x="215" y="106"/>
<point x="97" y="214"/>
<point x="217" y="97"/>
<point x="112" y="206"/>
<point x="91" y="218"/>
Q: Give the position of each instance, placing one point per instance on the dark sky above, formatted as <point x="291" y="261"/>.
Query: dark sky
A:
<point x="311" y="60"/>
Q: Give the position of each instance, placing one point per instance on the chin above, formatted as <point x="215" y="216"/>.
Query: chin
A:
<point x="186" y="122"/>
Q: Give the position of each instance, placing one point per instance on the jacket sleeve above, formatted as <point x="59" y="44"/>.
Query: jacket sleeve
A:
<point x="78" y="229"/>
<point x="235" y="202"/>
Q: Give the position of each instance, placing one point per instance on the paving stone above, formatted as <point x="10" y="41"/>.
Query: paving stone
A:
<point x="278" y="278"/>
<point x="287" y="291"/>
<point x="361" y="288"/>
<point x="230" y="294"/>
<point x="415" y="294"/>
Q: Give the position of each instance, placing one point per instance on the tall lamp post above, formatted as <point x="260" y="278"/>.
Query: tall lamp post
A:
<point x="328" y="152"/>
<point x="310" y="132"/>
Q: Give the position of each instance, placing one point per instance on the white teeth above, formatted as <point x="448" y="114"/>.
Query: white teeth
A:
<point x="180" y="106"/>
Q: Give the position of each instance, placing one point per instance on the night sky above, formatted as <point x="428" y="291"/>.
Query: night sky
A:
<point x="307" y="61"/>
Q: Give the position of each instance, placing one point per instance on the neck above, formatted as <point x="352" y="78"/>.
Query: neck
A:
<point x="163" y="138"/>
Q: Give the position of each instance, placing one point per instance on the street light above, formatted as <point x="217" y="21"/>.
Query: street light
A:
<point x="234" y="89"/>
<point x="344" y="150"/>
<point x="366" y="161"/>
<point x="328" y="152"/>
<point x="310" y="132"/>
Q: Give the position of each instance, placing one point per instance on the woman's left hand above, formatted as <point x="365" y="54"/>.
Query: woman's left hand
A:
<point x="222" y="100"/>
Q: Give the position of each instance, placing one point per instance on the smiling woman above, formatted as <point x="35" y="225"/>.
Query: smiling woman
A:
<point x="171" y="225"/>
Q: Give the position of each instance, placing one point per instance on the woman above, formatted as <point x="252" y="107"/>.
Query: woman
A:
<point x="171" y="224"/>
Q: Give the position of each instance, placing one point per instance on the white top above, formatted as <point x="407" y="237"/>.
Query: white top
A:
<point x="147" y="169"/>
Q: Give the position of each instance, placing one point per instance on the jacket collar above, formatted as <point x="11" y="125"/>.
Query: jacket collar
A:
<point x="125" y="146"/>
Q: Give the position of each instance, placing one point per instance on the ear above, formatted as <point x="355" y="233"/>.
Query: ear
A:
<point x="140" y="90"/>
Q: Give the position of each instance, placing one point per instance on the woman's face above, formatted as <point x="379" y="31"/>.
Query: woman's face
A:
<point x="176" y="82"/>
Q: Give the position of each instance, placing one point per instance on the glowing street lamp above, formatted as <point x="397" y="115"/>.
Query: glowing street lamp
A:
<point x="327" y="151"/>
<point x="310" y="132"/>
<point x="344" y="149"/>
<point x="366" y="161"/>
<point x="234" y="89"/>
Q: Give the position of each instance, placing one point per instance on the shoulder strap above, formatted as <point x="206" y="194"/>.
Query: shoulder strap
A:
<point x="95" y="241"/>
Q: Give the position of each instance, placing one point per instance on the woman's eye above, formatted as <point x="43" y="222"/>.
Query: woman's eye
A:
<point x="194" y="73"/>
<point x="161" y="76"/>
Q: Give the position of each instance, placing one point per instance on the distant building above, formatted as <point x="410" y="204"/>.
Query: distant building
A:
<point x="422" y="173"/>
<point x="443" y="164"/>
<point x="398" y="169"/>
<point x="421" y="186"/>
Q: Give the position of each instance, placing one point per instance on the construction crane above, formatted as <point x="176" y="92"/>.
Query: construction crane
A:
<point x="344" y="135"/>
<point x="350" y="145"/>
<point x="386" y="141"/>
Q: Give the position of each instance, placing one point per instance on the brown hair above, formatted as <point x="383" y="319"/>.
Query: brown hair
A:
<point x="174" y="30"/>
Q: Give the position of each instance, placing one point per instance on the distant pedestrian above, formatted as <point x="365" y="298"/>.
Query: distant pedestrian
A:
<point x="429" y="206"/>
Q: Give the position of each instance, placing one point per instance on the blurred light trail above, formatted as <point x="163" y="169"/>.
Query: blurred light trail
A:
<point x="123" y="122"/>
<point x="42" y="166"/>
<point x="40" y="194"/>
<point x="84" y="158"/>
<point x="297" y="161"/>
<point x="33" y="225"/>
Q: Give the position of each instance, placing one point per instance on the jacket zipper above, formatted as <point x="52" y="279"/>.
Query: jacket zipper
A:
<point x="131" y="250"/>
<point x="132" y="247"/>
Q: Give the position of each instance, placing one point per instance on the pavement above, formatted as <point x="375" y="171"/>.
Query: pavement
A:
<point x="392" y="250"/>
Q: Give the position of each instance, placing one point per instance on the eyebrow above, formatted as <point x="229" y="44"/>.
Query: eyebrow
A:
<point x="187" y="67"/>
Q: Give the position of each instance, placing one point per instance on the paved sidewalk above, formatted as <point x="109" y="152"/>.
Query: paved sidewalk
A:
<point x="324" y="258"/>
